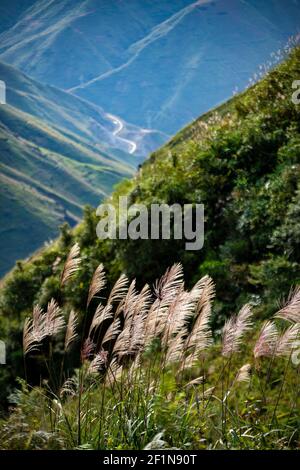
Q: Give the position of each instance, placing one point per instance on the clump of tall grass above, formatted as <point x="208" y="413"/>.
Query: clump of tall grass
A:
<point x="150" y="366"/>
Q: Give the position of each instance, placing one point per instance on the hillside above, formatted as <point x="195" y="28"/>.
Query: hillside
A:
<point x="242" y="162"/>
<point x="161" y="356"/>
<point x="209" y="64"/>
<point x="49" y="166"/>
<point x="76" y="116"/>
<point x="126" y="56"/>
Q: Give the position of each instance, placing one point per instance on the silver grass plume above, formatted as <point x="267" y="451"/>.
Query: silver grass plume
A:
<point x="54" y="319"/>
<point x="119" y="290"/>
<point x="38" y="323"/>
<point x="169" y="282"/>
<point x="287" y="341"/>
<point x="200" y="337"/>
<point x="267" y="340"/>
<point x="243" y="374"/>
<point x="136" y="364"/>
<point x="189" y="361"/>
<point x="291" y="310"/>
<point x="30" y="342"/>
<point x="234" y="330"/>
<point x="87" y="349"/>
<point x="97" y="283"/>
<point x="176" y="347"/>
<point x="127" y="303"/>
<point x="34" y="330"/>
<point x="208" y="392"/>
<point x="99" y="362"/>
<point x="101" y="314"/>
<point x="70" y="387"/>
<point x="128" y="306"/>
<point x="114" y="373"/>
<point x="71" y="334"/>
<point x="179" y="313"/>
<point x="165" y="290"/>
<point x="142" y="303"/>
<point x="113" y="331"/>
<point x="71" y="265"/>
<point x="131" y="339"/>
<point x="197" y="381"/>
<point x="42" y="325"/>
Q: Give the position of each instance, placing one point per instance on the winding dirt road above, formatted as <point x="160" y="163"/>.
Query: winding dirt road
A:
<point x="119" y="127"/>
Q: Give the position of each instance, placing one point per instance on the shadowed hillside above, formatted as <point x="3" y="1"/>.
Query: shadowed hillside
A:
<point x="50" y="166"/>
<point x="156" y="64"/>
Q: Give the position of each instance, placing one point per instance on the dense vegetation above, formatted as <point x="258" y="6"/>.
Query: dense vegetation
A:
<point x="243" y="162"/>
<point x="150" y="375"/>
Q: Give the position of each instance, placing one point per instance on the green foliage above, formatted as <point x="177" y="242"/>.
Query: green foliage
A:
<point x="130" y="412"/>
<point x="157" y="379"/>
<point x="242" y="162"/>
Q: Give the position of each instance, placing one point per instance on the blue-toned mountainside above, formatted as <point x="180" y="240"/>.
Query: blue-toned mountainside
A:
<point x="156" y="353"/>
<point x="157" y="64"/>
<point x="50" y="163"/>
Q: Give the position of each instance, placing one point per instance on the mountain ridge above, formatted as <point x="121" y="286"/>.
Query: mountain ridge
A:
<point x="75" y="114"/>
<point x="156" y="65"/>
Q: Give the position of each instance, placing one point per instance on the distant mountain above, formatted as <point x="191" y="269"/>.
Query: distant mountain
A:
<point x="50" y="164"/>
<point x="64" y="42"/>
<point x="11" y="11"/>
<point x="78" y="116"/>
<point x="155" y="63"/>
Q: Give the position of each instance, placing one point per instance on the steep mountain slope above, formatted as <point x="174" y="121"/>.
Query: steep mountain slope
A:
<point x="90" y="122"/>
<point x="47" y="172"/>
<point x="68" y="41"/>
<point x="202" y="54"/>
<point x="157" y="64"/>
<point x="242" y="160"/>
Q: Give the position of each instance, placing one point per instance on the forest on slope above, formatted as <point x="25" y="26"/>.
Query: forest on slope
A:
<point x="138" y="85"/>
<point x="242" y="162"/>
